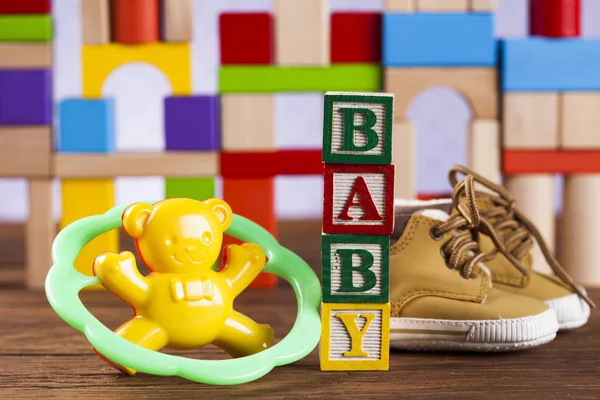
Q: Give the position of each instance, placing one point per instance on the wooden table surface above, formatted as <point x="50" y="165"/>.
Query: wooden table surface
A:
<point x="43" y="357"/>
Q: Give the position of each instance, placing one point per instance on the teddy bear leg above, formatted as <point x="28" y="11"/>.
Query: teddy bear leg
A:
<point x="242" y="336"/>
<point x="143" y="332"/>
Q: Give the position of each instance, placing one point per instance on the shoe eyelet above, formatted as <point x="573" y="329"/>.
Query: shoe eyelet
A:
<point x="434" y="236"/>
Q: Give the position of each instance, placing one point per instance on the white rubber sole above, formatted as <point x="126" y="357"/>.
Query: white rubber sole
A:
<point x="500" y="335"/>
<point x="571" y="311"/>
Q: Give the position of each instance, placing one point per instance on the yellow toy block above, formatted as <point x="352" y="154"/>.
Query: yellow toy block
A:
<point x="82" y="198"/>
<point x="355" y="337"/>
<point x="173" y="59"/>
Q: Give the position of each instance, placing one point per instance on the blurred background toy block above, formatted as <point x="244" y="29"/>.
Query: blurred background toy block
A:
<point x="136" y="21"/>
<point x="356" y="37"/>
<point x="87" y="126"/>
<point x="271" y="164"/>
<point x="550" y="161"/>
<point x="25" y="6"/>
<point x="192" y="123"/>
<point x="25" y="151"/>
<point x="96" y="21"/>
<point x="25" y="97"/>
<point x="485" y="6"/>
<point x="580" y="120"/>
<point x="248" y="122"/>
<point x="25" y="55"/>
<point x="485" y="148"/>
<point x="442" y="5"/>
<point x="400" y="5"/>
<point x="246" y="38"/>
<point x="26" y="28"/>
<point x="40" y="232"/>
<point x="177" y="20"/>
<point x="404" y="152"/>
<point x="555" y="18"/>
<point x="192" y="188"/>
<point x="531" y="120"/>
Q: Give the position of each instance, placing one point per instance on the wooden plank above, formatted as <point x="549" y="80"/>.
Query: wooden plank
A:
<point x="177" y="20"/>
<point x="442" y="5"/>
<point x="484" y="149"/>
<point x="25" y="55"/>
<point x="248" y="122"/>
<point x="181" y="164"/>
<point x="477" y="85"/>
<point x="400" y="5"/>
<point x="25" y="151"/>
<point x="294" y="43"/>
<point x="404" y="145"/>
<point x="41" y="231"/>
<point x="271" y="164"/>
<point x="531" y="120"/>
<point x="483" y="5"/>
<point x="580" y="122"/>
<point x="95" y="21"/>
<point x="550" y="161"/>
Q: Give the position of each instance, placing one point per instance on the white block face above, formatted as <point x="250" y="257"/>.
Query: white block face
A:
<point x="343" y="185"/>
<point x="340" y="341"/>
<point x="360" y="138"/>
<point x="358" y="279"/>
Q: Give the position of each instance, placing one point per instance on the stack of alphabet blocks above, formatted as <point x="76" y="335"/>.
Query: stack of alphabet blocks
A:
<point x="358" y="219"/>
<point x="26" y="118"/>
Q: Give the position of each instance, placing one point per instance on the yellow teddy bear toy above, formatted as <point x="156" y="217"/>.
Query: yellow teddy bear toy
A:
<point x="183" y="303"/>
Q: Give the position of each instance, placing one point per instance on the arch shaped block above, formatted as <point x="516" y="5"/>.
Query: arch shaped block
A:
<point x="173" y="59"/>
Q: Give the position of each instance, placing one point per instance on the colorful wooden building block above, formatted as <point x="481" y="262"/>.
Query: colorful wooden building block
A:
<point x="355" y="268"/>
<point x="136" y="21"/>
<point x="580" y="120"/>
<point x="539" y="64"/>
<point x="400" y="5"/>
<point x="550" y="161"/>
<point x="270" y="164"/>
<point x="483" y="5"/>
<point x="191" y="188"/>
<point x="405" y="159"/>
<point x="485" y="149"/>
<point x="355" y="37"/>
<point x="25" y="151"/>
<point x="41" y="232"/>
<point x="25" y="55"/>
<point x="192" y="122"/>
<point x="246" y="38"/>
<point x="26" y="28"/>
<point x="358" y="199"/>
<point x="531" y="120"/>
<point x="248" y="122"/>
<point x="86" y="126"/>
<point x="95" y="21"/>
<point x="25" y="97"/>
<point x="177" y="20"/>
<point x="302" y="32"/>
<point x="355" y="337"/>
<point x="442" y="5"/>
<point x="25" y="7"/>
<point x="439" y="40"/>
<point x="357" y="128"/>
<point x="554" y="18"/>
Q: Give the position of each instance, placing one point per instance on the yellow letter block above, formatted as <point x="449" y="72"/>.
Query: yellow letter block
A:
<point x="355" y="337"/>
<point x="173" y="59"/>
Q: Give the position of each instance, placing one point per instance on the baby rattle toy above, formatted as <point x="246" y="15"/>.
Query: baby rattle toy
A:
<point x="184" y="303"/>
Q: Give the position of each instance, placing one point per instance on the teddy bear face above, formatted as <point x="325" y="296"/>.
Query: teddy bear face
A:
<point x="178" y="235"/>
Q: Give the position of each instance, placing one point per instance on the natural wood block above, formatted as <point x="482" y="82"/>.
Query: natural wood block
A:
<point x="442" y="5"/>
<point x="355" y="337"/>
<point x="358" y="199"/>
<point x="531" y="120"/>
<point x="25" y="151"/>
<point x="177" y="20"/>
<point x="180" y="164"/>
<point x="95" y="21"/>
<point x="248" y="122"/>
<point x="400" y="5"/>
<point x="477" y="85"/>
<point x="355" y="268"/>
<point x="25" y="55"/>
<point x="485" y="149"/>
<point x="41" y="231"/>
<point x="358" y="128"/>
<point x="580" y="120"/>
<point x="483" y="5"/>
<point x="405" y="149"/>
<point x="302" y="32"/>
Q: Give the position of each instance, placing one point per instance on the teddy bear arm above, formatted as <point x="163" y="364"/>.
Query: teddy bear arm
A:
<point x="119" y="274"/>
<point x="243" y="264"/>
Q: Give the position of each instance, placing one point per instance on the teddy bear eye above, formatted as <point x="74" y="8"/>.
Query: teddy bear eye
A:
<point x="207" y="237"/>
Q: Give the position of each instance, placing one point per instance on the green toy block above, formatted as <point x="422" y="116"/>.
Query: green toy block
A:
<point x="357" y="128"/>
<point x="191" y="188"/>
<point x="257" y="79"/>
<point x="26" y="28"/>
<point x="355" y="268"/>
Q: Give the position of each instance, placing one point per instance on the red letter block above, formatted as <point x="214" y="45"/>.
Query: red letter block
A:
<point x="356" y="38"/>
<point x="358" y="199"/>
<point x="554" y="18"/>
<point x="246" y="38"/>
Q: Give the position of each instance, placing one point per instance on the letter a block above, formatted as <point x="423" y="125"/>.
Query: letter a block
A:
<point x="358" y="199"/>
<point x="355" y="268"/>
<point x="355" y="337"/>
<point x="357" y="128"/>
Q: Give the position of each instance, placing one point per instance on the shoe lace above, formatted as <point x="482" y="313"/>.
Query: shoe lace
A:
<point x="511" y="231"/>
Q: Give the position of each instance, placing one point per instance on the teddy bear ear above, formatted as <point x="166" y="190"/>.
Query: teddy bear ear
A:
<point x="135" y="218"/>
<point x="221" y="210"/>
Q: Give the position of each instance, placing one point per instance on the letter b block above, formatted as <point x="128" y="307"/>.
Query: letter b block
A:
<point x="357" y="128"/>
<point x="355" y="268"/>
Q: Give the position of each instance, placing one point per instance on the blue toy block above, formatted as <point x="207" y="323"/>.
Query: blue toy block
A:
<point x="540" y="64"/>
<point x="439" y="40"/>
<point x="86" y="126"/>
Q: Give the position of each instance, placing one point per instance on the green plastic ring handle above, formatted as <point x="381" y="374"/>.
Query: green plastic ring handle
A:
<point x="63" y="284"/>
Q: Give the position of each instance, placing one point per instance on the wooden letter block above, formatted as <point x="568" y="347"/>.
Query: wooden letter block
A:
<point x="355" y="337"/>
<point x="405" y="160"/>
<point x="358" y="199"/>
<point x="580" y="122"/>
<point x="25" y="151"/>
<point x="25" y="55"/>
<point x="41" y="231"/>
<point x="136" y="21"/>
<point x="442" y="5"/>
<point x="483" y="5"/>
<point x="177" y="20"/>
<point x="355" y="268"/>
<point x="302" y="32"/>
<point x="400" y="5"/>
<point x="531" y="120"/>
<point x="248" y="122"/>
<point x="484" y="149"/>
<point x="95" y="21"/>
<point x="358" y="128"/>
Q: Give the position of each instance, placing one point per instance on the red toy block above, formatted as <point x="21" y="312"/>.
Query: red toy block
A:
<point x="136" y="21"/>
<point x="554" y="18"/>
<point x="253" y="199"/>
<point x="246" y="38"/>
<point x="264" y="165"/>
<point x="356" y="37"/>
<point x="25" y="6"/>
<point x="550" y="162"/>
<point x="358" y="199"/>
